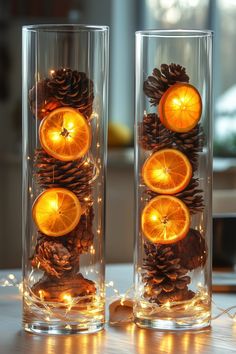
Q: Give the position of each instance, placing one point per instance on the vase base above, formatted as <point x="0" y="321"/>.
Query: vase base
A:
<point x="63" y="329"/>
<point x="173" y="324"/>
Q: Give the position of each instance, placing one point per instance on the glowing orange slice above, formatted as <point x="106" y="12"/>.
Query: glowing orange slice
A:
<point x="167" y="171"/>
<point x="56" y="211"/>
<point x="65" y="134"/>
<point x="180" y="107"/>
<point x="165" y="219"/>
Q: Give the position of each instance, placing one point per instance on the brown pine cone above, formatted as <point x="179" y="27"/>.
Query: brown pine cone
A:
<point x="152" y="133"/>
<point x="191" y="196"/>
<point x="72" y="88"/>
<point x="57" y="290"/>
<point x="190" y="143"/>
<point x="65" y="87"/>
<point x="54" y="256"/>
<point x="74" y="175"/>
<point x="81" y="238"/>
<point x="164" y="277"/>
<point x="192" y="250"/>
<point x="161" y="80"/>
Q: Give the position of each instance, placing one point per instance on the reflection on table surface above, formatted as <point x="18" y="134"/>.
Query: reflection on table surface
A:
<point x="220" y="338"/>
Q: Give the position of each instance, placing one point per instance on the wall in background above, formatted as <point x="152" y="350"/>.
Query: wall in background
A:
<point x="123" y="16"/>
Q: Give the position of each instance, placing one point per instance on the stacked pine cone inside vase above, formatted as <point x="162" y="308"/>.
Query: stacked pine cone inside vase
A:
<point x="61" y="97"/>
<point x="169" y="257"/>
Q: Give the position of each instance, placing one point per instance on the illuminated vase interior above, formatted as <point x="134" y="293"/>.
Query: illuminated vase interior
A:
<point x="173" y="176"/>
<point x="64" y="148"/>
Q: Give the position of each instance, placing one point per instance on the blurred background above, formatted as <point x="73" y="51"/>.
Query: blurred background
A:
<point x="123" y="17"/>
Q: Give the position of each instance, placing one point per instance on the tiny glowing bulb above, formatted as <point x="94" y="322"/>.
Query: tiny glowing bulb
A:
<point x="167" y="304"/>
<point x="41" y="294"/>
<point x="67" y="298"/>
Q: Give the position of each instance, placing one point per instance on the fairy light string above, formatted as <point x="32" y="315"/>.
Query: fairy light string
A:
<point x="12" y="281"/>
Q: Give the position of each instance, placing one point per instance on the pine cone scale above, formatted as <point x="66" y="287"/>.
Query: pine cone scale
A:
<point x="168" y="287"/>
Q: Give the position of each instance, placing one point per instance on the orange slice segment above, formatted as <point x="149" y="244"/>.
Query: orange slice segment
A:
<point x="65" y="134"/>
<point x="165" y="219"/>
<point x="180" y="107"/>
<point x="167" y="171"/>
<point x="56" y="211"/>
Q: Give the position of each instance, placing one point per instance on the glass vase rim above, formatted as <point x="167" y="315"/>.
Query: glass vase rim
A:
<point x="174" y="33"/>
<point x="64" y="27"/>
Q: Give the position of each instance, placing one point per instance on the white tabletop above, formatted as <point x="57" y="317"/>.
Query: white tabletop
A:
<point x="220" y="338"/>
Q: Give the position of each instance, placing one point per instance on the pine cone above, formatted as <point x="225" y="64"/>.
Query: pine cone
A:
<point x="192" y="250"/>
<point x="40" y="100"/>
<point x="54" y="256"/>
<point x="82" y="237"/>
<point x="74" y="175"/>
<point x="54" y="290"/>
<point x="164" y="277"/>
<point x="191" y="196"/>
<point x="72" y="88"/>
<point x="65" y="87"/>
<point x="152" y="134"/>
<point x="159" y="82"/>
<point x="190" y="143"/>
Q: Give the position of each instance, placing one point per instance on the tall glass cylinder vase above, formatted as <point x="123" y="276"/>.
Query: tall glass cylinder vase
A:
<point x="65" y="74"/>
<point x="173" y="161"/>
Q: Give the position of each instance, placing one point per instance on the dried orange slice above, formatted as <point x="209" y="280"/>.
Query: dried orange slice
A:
<point x="56" y="211"/>
<point x="180" y="107"/>
<point x="65" y="134"/>
<point x="165" y="219"/>
<point x="167" y="171"/>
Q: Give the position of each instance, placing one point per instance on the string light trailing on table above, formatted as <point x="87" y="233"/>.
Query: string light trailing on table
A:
<point x="120" y="308"/>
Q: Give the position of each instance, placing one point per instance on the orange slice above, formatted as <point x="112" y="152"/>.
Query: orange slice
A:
<point x="56" y="211"/>
<point x="65" y="134"/>
<point x="165" y="219"/>
<point x="180" y="107"/>
<point x="167" y="171"/>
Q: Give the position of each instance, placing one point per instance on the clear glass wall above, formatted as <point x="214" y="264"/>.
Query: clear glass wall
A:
<point x="173" y="162"/>
<point x="65" y="76"/>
